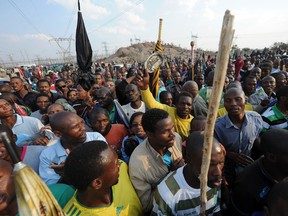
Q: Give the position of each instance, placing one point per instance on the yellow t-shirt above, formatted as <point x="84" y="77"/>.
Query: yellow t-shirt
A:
<point x="125" y="201"/>
<point x="182" y="126"/>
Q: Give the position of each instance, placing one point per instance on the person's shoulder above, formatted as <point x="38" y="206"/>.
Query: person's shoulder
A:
<point x="52" y="149"/>
<point x="141" y="149"/>
<point x="139" y="153"/>
<point x="118" y="126"/>
<point x="93" y="135"/>
<point x="62" y="193"/>
<point x="30" y="118"/>
<point x="221" y="120"/>
<point x="268" y="112"/>
<point x="253" y="114"/>
<point x="126" y="106"/>
<point x="37" y="148"/>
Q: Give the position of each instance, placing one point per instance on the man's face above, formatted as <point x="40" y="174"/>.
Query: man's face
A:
<point x="167" y="99"/>
<point x="62" y="86"/>
<point x="48" y="78"/>
<point x="81" y="93"/>
<point x="17" y="84"/>
<point x="55" y="108"/>
<point x="44" y="87"/>
<point x="226" y="82"/>
<point x="7" y="190"/>
<point x="101" y="123"/>
<point x="110" y="85"/>
<point x="234" y="102"/>
<point x="281" y="81"/>
<point x="256" y="73"/>
<point x="136" y="127"/>
<point x="98" y="79"/>
<point x="69" y="83"/>
<point x="265" y="70"/>
<point x="6" y="110"/>
<point x="199" y="79"/>
<point x="75" y="129"/>
<point x="184" y="106"/>
<point x="104" y="99"/>
<point x="132" y="93"/>
<point x="268" y="84"/>
<point x="250" y="85"/>
<point x="216" y="167"/>
<point x="247" y="65"/>
<point x="43" y="103"/>
<point x="111" y="173"/>
<point x="176" y="77"/>
<point x="72" y="96"/>
<point x="164" y="135"/>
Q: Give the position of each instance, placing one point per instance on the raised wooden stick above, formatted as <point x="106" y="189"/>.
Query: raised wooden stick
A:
<point x="226" y="38"/>
<point x="192" y="59"/>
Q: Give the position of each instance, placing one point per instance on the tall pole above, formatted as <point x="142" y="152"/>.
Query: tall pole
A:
<point x="225" y="43"/>
<point x="192" y="59"/>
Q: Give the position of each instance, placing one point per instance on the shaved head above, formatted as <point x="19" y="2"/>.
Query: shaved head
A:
<point x="191" y="87"/>
<point x="60" y="120"/>
<point x="234" y="90"/>
<point x="195" y="143"/>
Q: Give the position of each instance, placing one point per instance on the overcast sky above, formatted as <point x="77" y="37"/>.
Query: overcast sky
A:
<point x="27" y="26"/>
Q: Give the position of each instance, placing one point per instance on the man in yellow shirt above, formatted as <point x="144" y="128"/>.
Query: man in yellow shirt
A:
<point x="102" y="182"/>
<point x="183" y="102"/>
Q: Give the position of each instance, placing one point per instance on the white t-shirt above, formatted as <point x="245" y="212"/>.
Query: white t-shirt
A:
<point x="129" y="111"/>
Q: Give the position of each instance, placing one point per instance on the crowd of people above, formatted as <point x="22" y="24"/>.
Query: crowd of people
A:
<point x="111" y="147"/>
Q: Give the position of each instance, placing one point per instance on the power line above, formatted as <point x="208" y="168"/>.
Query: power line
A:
<point x="25" y="17"/>
<point x="71" y="18"/>
<point x="117" y="16"/>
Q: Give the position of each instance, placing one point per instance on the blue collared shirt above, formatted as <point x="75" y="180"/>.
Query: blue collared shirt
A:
<point x="57" y="154"/>
<point x="239" y="140"/>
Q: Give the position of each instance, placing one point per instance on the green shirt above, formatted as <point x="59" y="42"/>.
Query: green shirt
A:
<point x="274" y="118"/>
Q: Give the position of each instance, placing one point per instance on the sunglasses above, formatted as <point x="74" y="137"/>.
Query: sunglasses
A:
<point x="61" y="87"/>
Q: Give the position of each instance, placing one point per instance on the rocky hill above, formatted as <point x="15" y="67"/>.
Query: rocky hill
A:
<point x="140" y="52"/>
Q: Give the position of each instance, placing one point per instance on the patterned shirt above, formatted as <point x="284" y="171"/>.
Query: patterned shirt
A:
<point x="274" y="118"/>
<point x="175" y="197"/>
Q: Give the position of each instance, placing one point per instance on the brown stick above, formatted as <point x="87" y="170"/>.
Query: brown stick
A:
<point x="192" y="59"/>
<point x="160" y="29"/>
<point x="226" y="38"/>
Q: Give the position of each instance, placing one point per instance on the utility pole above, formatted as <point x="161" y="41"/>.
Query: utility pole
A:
<point x="105" y="48"/>
<point x="65" y="50"/>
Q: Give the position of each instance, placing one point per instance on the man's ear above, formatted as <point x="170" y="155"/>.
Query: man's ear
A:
<point x="57" y="133"/>
<point x="97" y="183"/>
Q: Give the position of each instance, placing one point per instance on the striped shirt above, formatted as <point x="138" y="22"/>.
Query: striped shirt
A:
<point x="274" y="118"/>
<point x="174" y="196"/>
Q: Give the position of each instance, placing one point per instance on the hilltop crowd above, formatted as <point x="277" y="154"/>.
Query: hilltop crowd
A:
<point x="108" y="146"/>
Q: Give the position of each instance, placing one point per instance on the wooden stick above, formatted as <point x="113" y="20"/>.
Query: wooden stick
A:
<point x="192" y="59"/>
<point x="225" y="43"/>
<point x="160" y="29"/>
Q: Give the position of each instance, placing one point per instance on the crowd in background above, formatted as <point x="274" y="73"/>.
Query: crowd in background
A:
<point x="111" y="147"/>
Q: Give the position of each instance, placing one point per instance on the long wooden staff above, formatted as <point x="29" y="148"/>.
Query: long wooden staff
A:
<point x="192" y="59"/>
<point x="225" y="43"/>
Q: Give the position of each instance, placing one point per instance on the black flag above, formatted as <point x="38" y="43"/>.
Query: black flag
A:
<point x="84" y="53"/>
